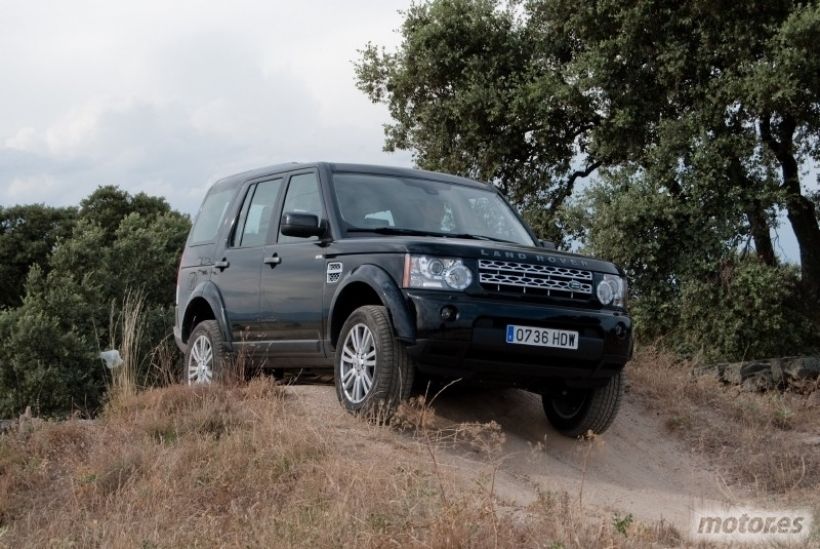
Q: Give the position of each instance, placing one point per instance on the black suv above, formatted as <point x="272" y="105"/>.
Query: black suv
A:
<point x="385" y="273"/>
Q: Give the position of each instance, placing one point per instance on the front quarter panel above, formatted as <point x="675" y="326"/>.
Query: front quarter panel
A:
<point x="385" y="287"/>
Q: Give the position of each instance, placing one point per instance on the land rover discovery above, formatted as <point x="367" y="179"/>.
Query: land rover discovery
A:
<point x="385" y="273"/>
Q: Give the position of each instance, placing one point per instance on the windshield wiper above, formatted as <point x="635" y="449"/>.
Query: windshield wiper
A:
<point x="416" y="232"/>
<point x="392" y="230"/>
<point x="479" y="237"/>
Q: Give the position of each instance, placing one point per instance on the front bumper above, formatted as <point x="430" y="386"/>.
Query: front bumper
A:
<point x="474" y="344"/>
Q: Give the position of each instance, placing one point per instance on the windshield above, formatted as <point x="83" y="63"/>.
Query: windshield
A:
<point x="403" y="205"/>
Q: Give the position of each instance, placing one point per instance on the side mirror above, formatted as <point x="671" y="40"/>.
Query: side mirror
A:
<point x="548" y="244"/>
<point x="302" y="225"/>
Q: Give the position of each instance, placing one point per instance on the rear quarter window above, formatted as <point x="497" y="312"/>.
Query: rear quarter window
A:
<point x="210" y="216"/>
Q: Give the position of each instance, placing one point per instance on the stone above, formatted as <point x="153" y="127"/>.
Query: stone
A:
<point x="802" y="368"/>
<point x="798" y="373"/>
<point x="758" y="383"/>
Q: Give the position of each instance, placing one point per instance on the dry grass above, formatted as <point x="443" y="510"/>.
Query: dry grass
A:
<point x="765" y="442"/>
<point x="249" y="465"/>
<point x="125" y="328"/>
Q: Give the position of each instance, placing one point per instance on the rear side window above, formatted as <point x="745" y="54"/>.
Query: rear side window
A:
<point x="210" y="216"/>
<point x="257" y="214"/>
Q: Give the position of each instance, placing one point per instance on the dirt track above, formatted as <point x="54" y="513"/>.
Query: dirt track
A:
<point x="635" y="467"/>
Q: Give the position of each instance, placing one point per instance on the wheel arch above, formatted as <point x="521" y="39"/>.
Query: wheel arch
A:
<point x="205" y="303"/>
<point x="370" y="285"/>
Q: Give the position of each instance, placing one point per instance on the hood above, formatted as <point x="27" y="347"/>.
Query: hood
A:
<point x="474" y="249"/>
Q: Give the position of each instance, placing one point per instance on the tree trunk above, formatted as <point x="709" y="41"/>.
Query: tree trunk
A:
<point x="759" y="228"/>
<point x="799" y="209"/>
<point x="755" y="213"/>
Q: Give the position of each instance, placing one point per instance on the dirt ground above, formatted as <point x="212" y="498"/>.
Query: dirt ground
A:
<point x="635" y="467"/>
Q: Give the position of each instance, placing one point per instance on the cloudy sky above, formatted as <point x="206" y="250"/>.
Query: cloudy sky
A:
<point x="165" y="97"/>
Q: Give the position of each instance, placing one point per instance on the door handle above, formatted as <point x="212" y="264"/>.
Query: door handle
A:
<point x="222" y="264"/>
<point x="273" y="260"/>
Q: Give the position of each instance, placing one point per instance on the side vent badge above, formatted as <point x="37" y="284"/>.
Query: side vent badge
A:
<point x="334" y="272"/>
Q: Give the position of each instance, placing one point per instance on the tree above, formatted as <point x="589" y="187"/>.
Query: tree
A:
<point x="27" y="236"/>
<point x="745" y="72"/>
<point x="109" y="205"/>
<point x="535" y="96"/>
<point x="49" y="343"/>
<point x="469" y="94"/>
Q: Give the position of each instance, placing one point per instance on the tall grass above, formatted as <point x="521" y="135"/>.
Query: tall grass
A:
<point x="126" y="329"/>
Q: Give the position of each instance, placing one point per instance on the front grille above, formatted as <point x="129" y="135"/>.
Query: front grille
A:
<point x="526" y="278"/>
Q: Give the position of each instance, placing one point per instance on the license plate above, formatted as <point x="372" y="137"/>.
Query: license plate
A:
<point x="541" y="337"/>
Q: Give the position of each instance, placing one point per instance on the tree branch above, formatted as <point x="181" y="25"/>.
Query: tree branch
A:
<point x="566" y="190"/>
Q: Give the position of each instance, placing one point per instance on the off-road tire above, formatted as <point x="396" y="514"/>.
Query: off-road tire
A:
<point x="595" y="413"/>
<point x="394" y="370"/>
<point x="221" y="360"/>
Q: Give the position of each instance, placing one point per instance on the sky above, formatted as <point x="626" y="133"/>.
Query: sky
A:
<point x="166" y="97"/>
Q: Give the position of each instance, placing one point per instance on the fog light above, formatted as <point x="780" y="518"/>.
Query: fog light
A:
<point x="620" y="330"/>
<point x="448" y="313"/>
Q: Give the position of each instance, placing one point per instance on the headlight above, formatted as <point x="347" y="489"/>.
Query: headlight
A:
<point x="612" y="290"/>
<point x="440" y="273"/>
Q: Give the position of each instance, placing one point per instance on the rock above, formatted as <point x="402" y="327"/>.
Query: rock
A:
<point x="797" y="373"/>
<point x="760" y="381"/>
<point x="802" y="368"/>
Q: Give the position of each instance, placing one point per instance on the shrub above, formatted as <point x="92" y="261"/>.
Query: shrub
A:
<point x="745" y="310"/>
<point x="49" y="344"/>
<point x="44" y="357"/>
<point x="689" y="285"/>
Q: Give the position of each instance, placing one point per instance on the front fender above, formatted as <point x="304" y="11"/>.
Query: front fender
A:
<point x="391" y="297"/>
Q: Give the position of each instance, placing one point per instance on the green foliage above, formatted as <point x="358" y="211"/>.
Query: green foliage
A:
<point x="745" y="310"/>
<point x="690" y="284"/>
<point x="659" y="236"/>
<point x="48" y="345"/>
<point x="46" y="357"/>
<point x="109" y="205"/>
<point x="468" y="94"/>
<point x="27" y="236"/>
<point x="622" y="524"/>
<point x="698" y="112"/>
<point x="716" y="102"/>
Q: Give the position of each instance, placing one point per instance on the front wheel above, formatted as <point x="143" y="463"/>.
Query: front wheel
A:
<point x="372" y="370"/>
<point x="573" y="412"/>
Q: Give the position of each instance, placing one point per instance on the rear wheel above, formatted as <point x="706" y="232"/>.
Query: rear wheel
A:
<point x="372" y="370"/>
<point x="573" y="412"/>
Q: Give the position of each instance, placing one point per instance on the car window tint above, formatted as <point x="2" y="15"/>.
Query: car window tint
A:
<point x="210" y="216"/>
<point x="260" y="213"/>
<point x="302" y="197"/>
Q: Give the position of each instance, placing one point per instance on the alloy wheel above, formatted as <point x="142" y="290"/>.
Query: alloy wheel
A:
<point x="358" y="363"/>
<point x="201" y="361"/>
